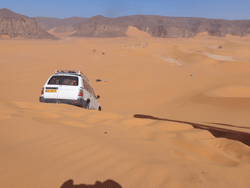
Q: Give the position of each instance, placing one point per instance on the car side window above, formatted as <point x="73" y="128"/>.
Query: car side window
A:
<point x="92" y="91"/>
<point x="89" y="89"/>
<point x="86" y="86"/>
<point x="94" y="94"/>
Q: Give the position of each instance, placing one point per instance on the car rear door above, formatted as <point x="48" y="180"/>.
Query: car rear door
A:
<point x="62" y="87"/>
<point x="50" y="91"/>
<point x="68" y="88"/>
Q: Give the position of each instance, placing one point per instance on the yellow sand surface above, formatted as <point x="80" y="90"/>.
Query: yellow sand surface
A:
<point x="229" y="91"/>
<point x="43" y="145"/>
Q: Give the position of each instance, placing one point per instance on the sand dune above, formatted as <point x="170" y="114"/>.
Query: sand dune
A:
<point x="64" y="35"/>
<point x="133" y="152"/>
<point x="227" y="96"/>
<point x="44" y="145"/>
<point x="217" y="57"/>
<point x="229" y="91"/>
<point x="172" y="60"/>
<point x="134" y="32"/>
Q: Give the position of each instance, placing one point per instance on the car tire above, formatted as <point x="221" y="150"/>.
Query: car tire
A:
<point x="88" y="105"/>
<point x="100" y="108"/>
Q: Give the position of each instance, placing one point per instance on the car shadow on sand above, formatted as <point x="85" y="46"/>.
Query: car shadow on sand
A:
<point x="243" y="137"/>
<point x="106" y="184"/>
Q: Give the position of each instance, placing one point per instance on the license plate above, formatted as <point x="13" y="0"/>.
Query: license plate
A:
<point x="50" y="90"/>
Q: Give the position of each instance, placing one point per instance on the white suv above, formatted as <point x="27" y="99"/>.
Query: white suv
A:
<point x="70" y="87"/>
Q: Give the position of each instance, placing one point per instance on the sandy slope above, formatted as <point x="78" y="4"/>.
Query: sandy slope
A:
<point x="134" y="32"/>
<point x="43" y="145"/>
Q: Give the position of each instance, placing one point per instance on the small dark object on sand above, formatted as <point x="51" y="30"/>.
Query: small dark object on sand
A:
<point x="219" y="47"/>
<point x="105" y="133"/>
<point x="192" y="75"/>
<point x="98" y="80"/>
<point x="103" y="53"/>
<point x="94" y="51"/>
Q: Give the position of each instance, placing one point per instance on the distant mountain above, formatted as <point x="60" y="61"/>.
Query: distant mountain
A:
<point x="100" y="26"/>
<point x="161" y="26"/>
<point x="17" y="25"/>
<point x="60" y="25"/>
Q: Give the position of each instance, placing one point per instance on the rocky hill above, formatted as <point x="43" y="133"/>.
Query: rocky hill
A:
<point x="161" y="26"/>
<point x="99" y="26"/>
<point x="59" y="25"/>
<point x="169" y="27"/>
<point x="17" y="25"/>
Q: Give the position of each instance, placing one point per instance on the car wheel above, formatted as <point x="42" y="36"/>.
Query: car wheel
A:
<point x="88" y="104"/>
<point x="100" y="108"/>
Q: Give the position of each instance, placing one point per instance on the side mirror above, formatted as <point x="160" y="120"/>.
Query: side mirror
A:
<point x="98" y="97"/>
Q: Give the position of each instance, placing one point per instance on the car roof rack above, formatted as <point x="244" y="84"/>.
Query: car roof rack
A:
<point x="74" y="72"/>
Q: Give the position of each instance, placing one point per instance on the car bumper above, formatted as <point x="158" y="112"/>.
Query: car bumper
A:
<point x="78" y="102"/>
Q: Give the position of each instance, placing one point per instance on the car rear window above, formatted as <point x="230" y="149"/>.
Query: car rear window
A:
<point x="63" y="80"/>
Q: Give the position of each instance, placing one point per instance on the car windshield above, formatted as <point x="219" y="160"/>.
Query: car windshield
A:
<point x="63" y="80"/>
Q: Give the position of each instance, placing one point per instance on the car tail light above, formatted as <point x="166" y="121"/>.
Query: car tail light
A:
<point x="42" y="91"/>
<point x="80" y="94"/>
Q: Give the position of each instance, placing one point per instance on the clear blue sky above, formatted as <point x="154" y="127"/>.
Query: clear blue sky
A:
<point x="219" y="9"/>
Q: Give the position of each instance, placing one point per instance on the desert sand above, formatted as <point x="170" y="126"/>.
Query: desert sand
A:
<point x="44" y="145"/>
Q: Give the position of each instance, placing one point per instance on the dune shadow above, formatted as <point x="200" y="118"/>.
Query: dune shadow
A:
<point x="106" y="184"/>
<point x="229" y="125"/>
<point x="215" y="131"/>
